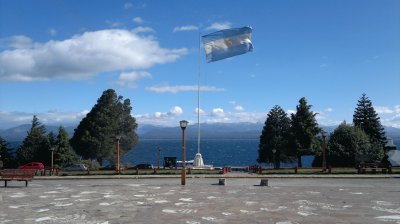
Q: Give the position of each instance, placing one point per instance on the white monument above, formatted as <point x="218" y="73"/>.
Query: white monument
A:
<point x="198" y="160"/>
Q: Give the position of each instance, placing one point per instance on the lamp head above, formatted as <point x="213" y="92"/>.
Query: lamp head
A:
<point x="183" y="124"/>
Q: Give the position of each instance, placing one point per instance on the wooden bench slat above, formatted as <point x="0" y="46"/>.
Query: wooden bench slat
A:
<point x="16" y="174"/>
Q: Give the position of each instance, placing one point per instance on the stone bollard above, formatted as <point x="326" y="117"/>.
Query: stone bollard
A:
<point x="264" y="182"/>
<point x="222" y="181"/>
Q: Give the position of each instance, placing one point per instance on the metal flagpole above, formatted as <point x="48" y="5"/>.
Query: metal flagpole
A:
<point x="198" y="98"/>
<point x="198" y="160"/>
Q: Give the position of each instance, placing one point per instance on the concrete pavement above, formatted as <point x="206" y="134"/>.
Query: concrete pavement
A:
<point x="164" y="200"/>
<point x="227" y="175"/>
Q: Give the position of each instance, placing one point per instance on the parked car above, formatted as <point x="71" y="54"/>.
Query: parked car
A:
<point x="112" y="167"/>
<point x="142" y="166"/>
<point x="33" y="166"/>
<point x="76" y="167"/>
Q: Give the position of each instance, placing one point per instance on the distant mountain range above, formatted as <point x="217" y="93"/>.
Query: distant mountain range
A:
<point x="208" y="131"/>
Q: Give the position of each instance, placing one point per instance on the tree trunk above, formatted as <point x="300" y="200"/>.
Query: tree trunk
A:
<point x="277" y="160"/>
<point x="278" y="163"/>
<point x="299" y="161"/>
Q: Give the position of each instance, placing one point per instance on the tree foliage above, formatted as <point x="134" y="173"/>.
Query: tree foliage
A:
<point x="367" y="119"/>
<point x="304" y="129"/>
<point x="63" y="154"/>
<point x="275" y="135"/>
<point x="6" y="157"/>
<point x="350" y="145"/>
<point x="94" y="138"/>
<point x="35" y="146"/>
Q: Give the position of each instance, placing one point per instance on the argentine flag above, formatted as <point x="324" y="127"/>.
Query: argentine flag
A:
<point x="227" y="43"/>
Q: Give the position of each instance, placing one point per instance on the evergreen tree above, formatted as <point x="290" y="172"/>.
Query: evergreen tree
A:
<point x="367" y="119"/>
<point x="63" y="155"/>
<point x="35" y="146"/>
<point x="6" y="157"/>
<point x="274" y="136"/>
<point x="95" y="136"/>
<point x="304" y="129"/>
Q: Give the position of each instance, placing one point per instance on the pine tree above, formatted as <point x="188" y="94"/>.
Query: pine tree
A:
<point x="6" y="157"/>
<point x="95" y="136"/>
<point x="274" y="136"/>
<point x="35" y="147"/>
<point x="304" y="129"/>
<point x="63" y="155"/>
<point x="367" y="119"/>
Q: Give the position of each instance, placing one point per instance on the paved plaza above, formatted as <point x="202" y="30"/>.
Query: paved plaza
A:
<point x="164" y="200"/>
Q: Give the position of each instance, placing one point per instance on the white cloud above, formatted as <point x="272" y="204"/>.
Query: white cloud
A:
<point x="217" y="112"/>
<point x="161" y="118"/>
<point x="324" y="117"/>
<point x="201" y="112"/>
<point x="128" y="5"/>
<point x="51" y="117"/>
<point x="219" y="26"/>
<point x="175" y="111"/>
<point x="176" y="89"/>
<point x="384" y="110"/>
<point x="143" y="29"/>
<point x="218" y="115"/>
<point x="138" y="20"/>
<point x="390" y="116"/>
<point x="237" y="106"/>
<point x="16" y="42"/>
<point x="185" y="28"/>
<point x="52" y="31"/>
<point x="289" y="112"/>
<point x="114" y="24"/>
<point x="129" y="79"/>
<point x="84" y="56"/>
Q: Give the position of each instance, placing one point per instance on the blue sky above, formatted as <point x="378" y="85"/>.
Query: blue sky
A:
<point x="57" y="57"/>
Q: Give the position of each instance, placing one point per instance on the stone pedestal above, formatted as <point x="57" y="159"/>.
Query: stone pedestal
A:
<point x="264" y="182"/>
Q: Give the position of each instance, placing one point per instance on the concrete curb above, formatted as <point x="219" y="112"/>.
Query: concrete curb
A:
<point x="325" y="176"/>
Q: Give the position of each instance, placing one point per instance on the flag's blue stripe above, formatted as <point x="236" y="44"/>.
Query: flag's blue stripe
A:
<point x="226" y="33"/>
<point x="227" y="43"/>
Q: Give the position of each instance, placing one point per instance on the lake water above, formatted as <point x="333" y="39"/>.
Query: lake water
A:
<point x="231" y="152"/>
<point x="214" y="152"/>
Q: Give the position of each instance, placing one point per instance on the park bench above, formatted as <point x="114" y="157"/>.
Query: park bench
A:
<point x="16" y="174"/>
<point x="373" y="167"/>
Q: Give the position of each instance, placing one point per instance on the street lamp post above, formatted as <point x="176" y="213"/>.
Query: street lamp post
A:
<point x="52" y="161"/>
<point x="118" y="137"/>
<point x="323" y="133"/>
<point x="158" y="157"/>
<point x="183" y="125"/>
<point x="273" y="157"/>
